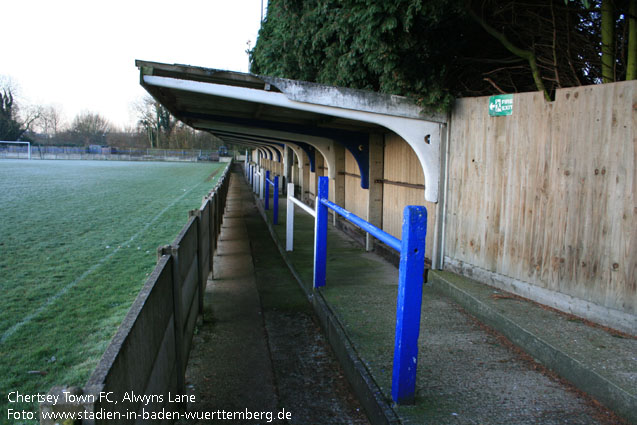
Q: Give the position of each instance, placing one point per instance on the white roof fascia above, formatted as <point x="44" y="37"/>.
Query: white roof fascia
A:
<point x="342" y="97"/>
<point x="423" y="136"/>
<point x="324" y="145"/>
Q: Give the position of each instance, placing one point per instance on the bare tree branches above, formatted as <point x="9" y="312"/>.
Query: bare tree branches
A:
<point x="90" y="128"/>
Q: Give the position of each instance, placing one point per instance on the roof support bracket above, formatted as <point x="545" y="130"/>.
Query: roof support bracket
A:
<point x="309" y="151"/>
<point x="422" y="133"/>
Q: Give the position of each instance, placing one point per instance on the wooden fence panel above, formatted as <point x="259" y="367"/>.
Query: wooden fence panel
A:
<point x="402" y="165"/>
<point x="319" y="166"/>
<point x="355" y="196"/>
<point x="547" y="196"/>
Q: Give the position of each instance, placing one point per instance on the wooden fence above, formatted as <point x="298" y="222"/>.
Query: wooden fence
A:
<point x="144" y="365"/>
<point x="542" y="203"/>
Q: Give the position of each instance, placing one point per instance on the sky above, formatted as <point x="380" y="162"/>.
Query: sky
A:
<point x="79" y="55"/>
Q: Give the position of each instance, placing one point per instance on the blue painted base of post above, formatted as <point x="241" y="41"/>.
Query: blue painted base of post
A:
<point x="267" y="190"/>
<point x="275" y="208"/>
<point x="275" y="196"/>
<point x="320" y="234"/>
<point x="410" y="281"/>
<point x="409" y="303"/>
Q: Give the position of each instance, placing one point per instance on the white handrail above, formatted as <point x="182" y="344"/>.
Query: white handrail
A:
<point x="309" y="210"/>
<point x="261" y="183"/>
<point x="289" y="225"/>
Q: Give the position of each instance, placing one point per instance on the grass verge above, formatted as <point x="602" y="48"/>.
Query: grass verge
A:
<point x="78" y="239"/>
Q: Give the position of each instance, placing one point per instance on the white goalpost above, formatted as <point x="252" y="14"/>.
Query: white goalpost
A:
<point x="17" y="152"/>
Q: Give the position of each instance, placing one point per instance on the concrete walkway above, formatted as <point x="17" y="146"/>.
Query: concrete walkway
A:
<point x="260" y="349"/>
<point x="468" y="373"/>
<point x="229" y="367"/>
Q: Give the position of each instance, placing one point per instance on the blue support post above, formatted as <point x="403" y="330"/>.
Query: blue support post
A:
<point x="320" y="233"/>
<point x="410" y="280"/>
<point x="275" y="208"/>
<point x="267" y="190"/>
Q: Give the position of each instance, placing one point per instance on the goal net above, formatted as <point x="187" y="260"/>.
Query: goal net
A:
<point x="15" y="150"/>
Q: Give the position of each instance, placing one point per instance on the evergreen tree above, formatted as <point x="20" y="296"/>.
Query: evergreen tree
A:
<point x="436" y="50"/>
<point x="10" y="127"/>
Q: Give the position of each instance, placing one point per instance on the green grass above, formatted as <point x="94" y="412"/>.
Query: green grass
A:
<point x="77" y="240"/>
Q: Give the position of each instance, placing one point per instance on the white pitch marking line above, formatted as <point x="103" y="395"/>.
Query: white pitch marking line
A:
<point x="13" y="329"/>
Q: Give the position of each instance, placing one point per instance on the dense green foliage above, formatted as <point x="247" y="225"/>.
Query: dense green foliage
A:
<point x="10" y="127"/>
<point x="436" y="50"/>
<point x="395" y="47"/>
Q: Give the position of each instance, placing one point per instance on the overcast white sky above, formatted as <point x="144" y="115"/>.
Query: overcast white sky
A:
<point x="80" y="54"/>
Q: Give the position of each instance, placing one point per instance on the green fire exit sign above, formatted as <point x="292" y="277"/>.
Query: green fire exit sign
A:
<point x="501" y="105"/>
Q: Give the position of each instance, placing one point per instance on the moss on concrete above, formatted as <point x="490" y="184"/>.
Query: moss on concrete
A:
<point x="465" y="373"/>
<point x="277" y="287"/>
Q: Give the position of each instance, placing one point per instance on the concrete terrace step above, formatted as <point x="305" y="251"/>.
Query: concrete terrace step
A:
<point x="600" y="362"/>
<point x="468" y="373"/>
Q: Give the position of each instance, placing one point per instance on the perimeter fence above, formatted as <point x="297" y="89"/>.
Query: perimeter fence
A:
<point x="110" y="153"/>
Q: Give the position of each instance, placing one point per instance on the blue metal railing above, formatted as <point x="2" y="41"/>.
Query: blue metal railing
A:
<point x="410" y="280"/>
<point x="275" y="200"/>
<point x="379" y="234"/>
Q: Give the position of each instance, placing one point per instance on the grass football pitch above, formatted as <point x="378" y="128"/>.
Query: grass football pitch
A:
<point x="77" y="241"/>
